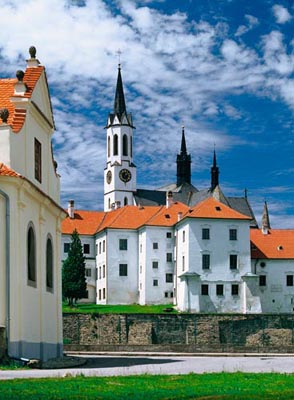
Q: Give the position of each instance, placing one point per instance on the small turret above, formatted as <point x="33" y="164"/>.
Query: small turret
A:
<point x="265" y="222"/>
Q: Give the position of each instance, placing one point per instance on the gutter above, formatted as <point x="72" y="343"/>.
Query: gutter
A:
<point x="7" y="262"/>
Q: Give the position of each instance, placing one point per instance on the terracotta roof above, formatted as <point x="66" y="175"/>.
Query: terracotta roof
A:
<point x="168" y="216"/>
<point x="6" y="171"/>
<point x="128" y="217"/>
<point x="17" y="116"/>
<point x="85" y="222"/>
<point x="211" y="208"/>
<point x="277" y="244"/>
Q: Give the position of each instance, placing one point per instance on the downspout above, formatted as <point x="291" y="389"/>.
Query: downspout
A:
<point x="7" y="262"/>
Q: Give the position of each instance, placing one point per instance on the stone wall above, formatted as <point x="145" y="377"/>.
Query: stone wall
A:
<point x="2" y="342"/>
<point x="179" y="332"/>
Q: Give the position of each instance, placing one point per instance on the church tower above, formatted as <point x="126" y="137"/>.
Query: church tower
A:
<point x="120" y="172"/>
<point x="183" y="163"/>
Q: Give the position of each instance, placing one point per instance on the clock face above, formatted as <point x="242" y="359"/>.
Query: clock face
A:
<point x="108" y="177"/>
<point x="125" y="175"/>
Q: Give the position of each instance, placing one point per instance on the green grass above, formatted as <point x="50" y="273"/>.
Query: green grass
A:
<point x="239" y="386"/>
<point x="118" y="309"/>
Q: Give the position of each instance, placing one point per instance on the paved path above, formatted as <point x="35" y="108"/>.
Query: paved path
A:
<point x="101" y="365"/>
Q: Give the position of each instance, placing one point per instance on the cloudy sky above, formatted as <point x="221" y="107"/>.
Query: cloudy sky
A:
<point x="222" y="68"/>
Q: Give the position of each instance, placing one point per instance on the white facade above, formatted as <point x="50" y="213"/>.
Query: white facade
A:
<point x="30" y="296"/>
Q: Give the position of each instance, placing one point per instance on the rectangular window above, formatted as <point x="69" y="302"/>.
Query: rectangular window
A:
<point x="219" y="290"/>
<point x="154" y="264"/>
<point x="204" y="290"/>
<point x="169" y="257"/>
<point x="168" y="235"/>
<point x="262" y="280"/>
<point x="99" y="294"/>
<point x="168" y="278"/>
<point x="235" y="290"/>
<point x="123" y="244"/>
<point x="103" y="271"/>
<point x="155" y="246"/>
<point x="104" y="293"/>
<point x="99" y="272"/>
<point x="123" y="269"/>
<point x="165" y="294"/>
<point x="183" y="263"/>
<point x="99" y="247"/>
<point x="155" y="282"/>
<point x="171" y="294"/>
<point x="88" y="272"/>
<point x="38" y="160"/>
<point x="205" y="234"/>
<point x="233" y="261"/>
<point x="86" y="249"/>
<point x="205" y="261"/>
<point x="184" y="236"/>
<point x="96" y="274"/>
<point x="233" y="234"/>
<point x="103" y="246"/>
<point x="66" y="247"/>
<point x="289" y="280"/>
<point x="96" y="249"/>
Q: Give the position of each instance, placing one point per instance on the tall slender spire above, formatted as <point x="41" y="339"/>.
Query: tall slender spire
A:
<point x="183" y="163"/>
<point x="265" y="222"/>
<point x="119" y="101"/>
<point x="214" y="173"/>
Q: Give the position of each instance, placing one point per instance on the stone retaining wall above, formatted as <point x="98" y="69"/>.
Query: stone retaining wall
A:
<point x="2" y="342"/>
<point x="179" y="332"/>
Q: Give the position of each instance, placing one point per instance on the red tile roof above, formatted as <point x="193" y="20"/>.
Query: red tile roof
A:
<point x="211" y="208"/>
<point x="17" y="116"/>
<point x="168" y="216"/>
<point x="6" y="171"/>
<point x="85" y="222"/>
<point x="277" y="244"/>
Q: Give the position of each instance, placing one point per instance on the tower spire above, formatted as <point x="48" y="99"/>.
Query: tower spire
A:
<point x="265" y="222"/>
<point x="214" y="173"/>
<point x="119" y="100"/>
<point x="183" y="163"/>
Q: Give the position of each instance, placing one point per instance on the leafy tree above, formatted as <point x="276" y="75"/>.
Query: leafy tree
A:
<point x="73" y="271"/>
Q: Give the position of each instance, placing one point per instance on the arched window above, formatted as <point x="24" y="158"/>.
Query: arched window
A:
<point x="31" y="257"/>
<point x="49" y="265"/>
<point x="115" y="145"/>
<point x="109" y="204"/>
<point x="125" y="201"/>
<point x="125" y="145"/>
<point x="108" y="146"/>
<point x="131" y="146"/>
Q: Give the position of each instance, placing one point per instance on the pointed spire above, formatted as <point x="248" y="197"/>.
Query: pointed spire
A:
<point x="183" y="163"/>
<point x="119" y="101"/>
<point x="214" y="173"/>
<point x="265" y="222"/>
<point x="183" y="144"/>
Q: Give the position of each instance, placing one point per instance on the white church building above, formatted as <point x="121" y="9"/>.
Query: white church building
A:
<point x="30" y="217"/>
<point x="197" y="249"/>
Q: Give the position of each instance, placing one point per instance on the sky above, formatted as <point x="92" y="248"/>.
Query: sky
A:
<point x="221" y="68"/>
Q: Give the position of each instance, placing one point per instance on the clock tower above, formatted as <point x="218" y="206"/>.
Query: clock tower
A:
<point x="120" y="171"/>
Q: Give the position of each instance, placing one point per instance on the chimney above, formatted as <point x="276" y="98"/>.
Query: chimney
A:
<point x="169" y="199"/>
<point x="71" y="209"/>
<point x="20" y="87"/>
<point x="265" y="222"/>
<point x="180" y="216"/>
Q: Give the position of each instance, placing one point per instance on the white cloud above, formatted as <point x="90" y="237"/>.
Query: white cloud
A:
<point x="281" y="13"/>
<point x="252" y="22"/>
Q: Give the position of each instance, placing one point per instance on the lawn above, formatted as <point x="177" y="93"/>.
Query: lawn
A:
<point x="119" y="309"/>
<point x="206" y="386"/>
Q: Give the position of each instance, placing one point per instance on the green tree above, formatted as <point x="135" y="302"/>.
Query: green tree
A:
<point x="73" y="271"/>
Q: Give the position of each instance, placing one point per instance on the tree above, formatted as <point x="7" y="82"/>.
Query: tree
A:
<point x="73" y="271"/>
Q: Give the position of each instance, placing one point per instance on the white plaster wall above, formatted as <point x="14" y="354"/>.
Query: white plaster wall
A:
<point x="219" y="247"/>
<point x="101" y="259"/>
<point x="276" y="296"/>
<point x="2" y="260"/>
<point x="5" y="156"/>
<point x="142" y="266"/>
<point x="121" y="289"/>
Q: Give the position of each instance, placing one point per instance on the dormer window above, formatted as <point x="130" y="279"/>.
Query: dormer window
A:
<point x="38" y="161"/>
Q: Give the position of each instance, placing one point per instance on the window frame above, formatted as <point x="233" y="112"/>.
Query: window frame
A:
<point x="205" y="234"/>
<point x="235" y="289"/>
<point x="289" y="280"/>
<point x="219" y="289"/>
<point x="206" y="261"/>
<point x="49" y="265"/>
<point x="169" y="277"/>
<point x="123" y="269"/>
<point x="262" y="280"/>
<point x="31" y="256"/>
<point x="169" y="257"/>
<point x="38" y="160"/>
<point x="233" y="234"/>
<point x="233" y="262"/>
<point x="204" y="289"/>
<point x="123" y="244"/>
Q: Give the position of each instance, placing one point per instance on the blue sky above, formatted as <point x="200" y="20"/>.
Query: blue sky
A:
<point x="222" y="68"/>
